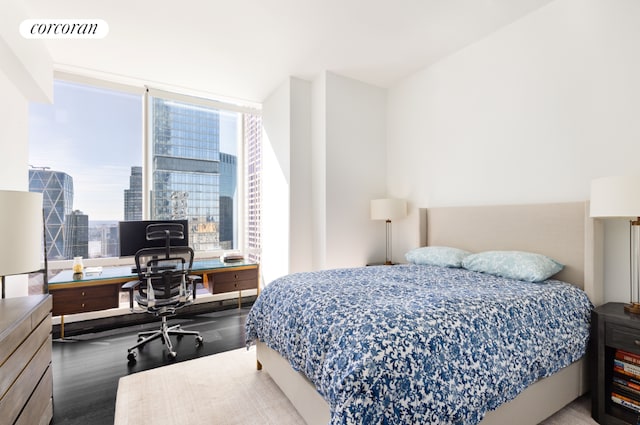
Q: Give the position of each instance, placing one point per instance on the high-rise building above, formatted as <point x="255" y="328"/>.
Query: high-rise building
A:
<point x="228" y="205"/>
<point x="103" y="239"/>
<point x="57" y="194"/>
<point x="133" y="196"/>
<point x="253" y="163"/>
<point x="186" y="169"/>
<point x="76" y="235"/>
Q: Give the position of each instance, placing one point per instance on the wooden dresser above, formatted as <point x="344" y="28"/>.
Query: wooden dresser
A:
<point x="26" y="383"/>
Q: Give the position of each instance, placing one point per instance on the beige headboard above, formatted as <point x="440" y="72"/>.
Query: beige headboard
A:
<point x="562" y="231"/>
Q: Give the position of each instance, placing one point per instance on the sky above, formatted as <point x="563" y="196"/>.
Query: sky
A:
<point x="95" y="136"/>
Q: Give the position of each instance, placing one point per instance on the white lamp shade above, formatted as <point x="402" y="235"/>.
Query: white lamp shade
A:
<point x="617" y="196"/>
<point x="388" y="209"/>
<point x="20" y="232"/>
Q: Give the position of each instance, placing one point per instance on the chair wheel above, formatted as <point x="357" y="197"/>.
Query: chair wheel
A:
<point x="131" y="357"/>
<point x="199" y="341"/>
<point x="172" y="354"/>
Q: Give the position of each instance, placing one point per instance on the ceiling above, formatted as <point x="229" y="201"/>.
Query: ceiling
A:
<point x="244" y="49"/>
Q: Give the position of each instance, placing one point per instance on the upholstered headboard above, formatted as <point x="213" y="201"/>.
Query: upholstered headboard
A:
<point x="562" y="231"/>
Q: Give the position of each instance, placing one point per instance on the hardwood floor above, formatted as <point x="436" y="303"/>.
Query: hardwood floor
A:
<point x="86" y="368"/>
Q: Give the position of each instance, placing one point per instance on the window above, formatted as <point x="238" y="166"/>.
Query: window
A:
<point x="84" y="152"/>
<point x="91" y="160"/>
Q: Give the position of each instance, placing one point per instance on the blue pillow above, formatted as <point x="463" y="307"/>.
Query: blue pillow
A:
<point x="442" y="256"/>
<point x="518" y="265"/>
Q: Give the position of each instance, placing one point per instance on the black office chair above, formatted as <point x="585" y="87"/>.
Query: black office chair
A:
<point x="164" y="285"/>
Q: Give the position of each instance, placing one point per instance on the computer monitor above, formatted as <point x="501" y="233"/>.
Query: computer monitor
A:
<point x="133" y="236"/>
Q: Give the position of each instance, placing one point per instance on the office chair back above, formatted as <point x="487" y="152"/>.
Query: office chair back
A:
<point x="163" y="275"/>
<point x="166" y="232"/>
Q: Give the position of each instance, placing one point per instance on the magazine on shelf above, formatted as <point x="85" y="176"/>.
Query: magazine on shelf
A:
<point x="625" y="401"/>
<point x="625" y="391"/>
<point x="628" y="357"/>
<point x="619" y="371"/>
<point x="626" y="381"/>
<point x="627" y="368"/>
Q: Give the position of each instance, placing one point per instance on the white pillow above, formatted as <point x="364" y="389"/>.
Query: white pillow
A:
<point x="518" y="265"/>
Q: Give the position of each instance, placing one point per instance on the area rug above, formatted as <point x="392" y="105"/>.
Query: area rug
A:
<point x="226" y="389"/>
<point x="222" y="389"/>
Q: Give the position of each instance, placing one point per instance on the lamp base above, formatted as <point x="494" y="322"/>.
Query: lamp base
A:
<point x="633" y="308"/>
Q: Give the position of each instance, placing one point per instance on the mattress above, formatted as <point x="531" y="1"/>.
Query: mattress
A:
<point x="419" y="344"/>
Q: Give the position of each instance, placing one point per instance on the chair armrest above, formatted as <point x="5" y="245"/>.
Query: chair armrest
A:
<point x="194" y="278"/>
<point x="130" y="286"/>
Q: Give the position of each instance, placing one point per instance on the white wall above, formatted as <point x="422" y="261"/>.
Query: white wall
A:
<point x="14" y="149"/>
<point x="355" y="140"/>
<point x="14" y="152"/>
<point x="324" y="160"/>
<point x="319" y="171"/>
<point x="275" y="188"/>
<point x="301" y="213"/>
<point x="531" y="113"/>
<point x="26" y="74"/>
<point x="286" y="197"/>
<point x="26" y="63"/>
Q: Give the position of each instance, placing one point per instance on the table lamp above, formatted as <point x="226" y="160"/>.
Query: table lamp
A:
<point x="619" y="197"/>
<point x="20" y="233"/>
<point x="388" y="209"/>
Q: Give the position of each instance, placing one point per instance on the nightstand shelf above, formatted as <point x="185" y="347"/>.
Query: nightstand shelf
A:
<point x="612" y="330"/>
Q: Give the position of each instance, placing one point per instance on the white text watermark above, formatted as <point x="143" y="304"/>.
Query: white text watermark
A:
<point x="64" y="28"/>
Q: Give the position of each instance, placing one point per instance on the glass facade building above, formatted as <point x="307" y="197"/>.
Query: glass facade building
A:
<point x="228" y="207"/>
<point x="186" y="168"/>
<point x="133" y="196"/>
<point x="57" y="194"/>
<point x="76" y="241"/>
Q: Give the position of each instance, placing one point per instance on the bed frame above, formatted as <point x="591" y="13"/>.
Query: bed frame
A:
<point x="562" y="231"/>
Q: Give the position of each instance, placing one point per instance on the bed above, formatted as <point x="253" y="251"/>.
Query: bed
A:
<point x="561" y="231"/>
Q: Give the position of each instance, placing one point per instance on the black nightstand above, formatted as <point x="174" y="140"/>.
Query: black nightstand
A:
<point x="612" y="329"/>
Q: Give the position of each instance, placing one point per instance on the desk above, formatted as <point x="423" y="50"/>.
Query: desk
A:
<point x="81" y="293"/>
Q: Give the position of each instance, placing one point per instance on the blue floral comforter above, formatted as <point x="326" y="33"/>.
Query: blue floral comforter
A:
<point x="415" y="344"/>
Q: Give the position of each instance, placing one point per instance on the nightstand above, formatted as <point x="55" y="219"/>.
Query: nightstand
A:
<point x="615" y="335"/>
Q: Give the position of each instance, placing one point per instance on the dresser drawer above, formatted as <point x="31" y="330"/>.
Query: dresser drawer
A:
<point x="233" y="280"/>
<point x="623" y="337"/>
<point x="17" y="396"/>
<point x="80" y="300"/>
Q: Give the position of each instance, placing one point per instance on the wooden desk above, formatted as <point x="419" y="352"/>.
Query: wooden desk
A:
<point x="74" y="293"/>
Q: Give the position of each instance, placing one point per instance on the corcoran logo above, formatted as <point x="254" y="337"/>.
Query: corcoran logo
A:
<point x="64" y="28"/>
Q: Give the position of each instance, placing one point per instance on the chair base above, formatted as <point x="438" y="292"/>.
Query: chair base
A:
<point x="164" y="332"/>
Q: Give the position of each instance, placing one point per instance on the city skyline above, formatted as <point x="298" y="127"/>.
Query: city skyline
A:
<point x="193" y="169"/>
<point x="72" y="233"/>
<point x="95" y="136"/>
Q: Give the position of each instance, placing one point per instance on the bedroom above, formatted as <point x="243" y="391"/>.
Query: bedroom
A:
<point x="529" y="113"/>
